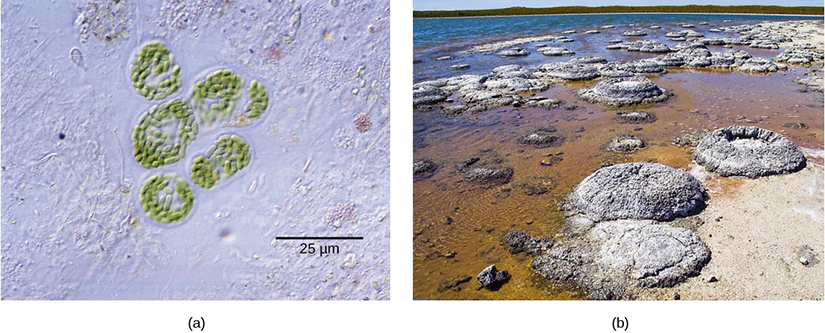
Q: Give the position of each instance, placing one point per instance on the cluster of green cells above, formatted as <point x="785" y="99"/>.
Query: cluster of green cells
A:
<point x="167" y="198"/>
<point x="223" y="86"/>
<point x="258" y="100"/>
<point x="162" y="134"/>
<point x="230" y="153"/>
<point x="155" y="144"/>
<point x="153" y="62"/>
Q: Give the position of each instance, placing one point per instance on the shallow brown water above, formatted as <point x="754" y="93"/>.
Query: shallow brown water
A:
<point x="481" y="214"/>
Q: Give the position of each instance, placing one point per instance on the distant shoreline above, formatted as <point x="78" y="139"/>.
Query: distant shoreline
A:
<point x="564" y="14"/>
<point x="567" y="10"/>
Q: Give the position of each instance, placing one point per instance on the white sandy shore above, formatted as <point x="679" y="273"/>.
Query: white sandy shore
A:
<point x="755" y="232"/>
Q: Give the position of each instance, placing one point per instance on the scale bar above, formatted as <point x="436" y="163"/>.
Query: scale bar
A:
<point x="318" y="237"/>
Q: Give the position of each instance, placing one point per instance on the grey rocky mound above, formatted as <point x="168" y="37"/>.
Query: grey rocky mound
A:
<point x="511" y="79"/>
<point x="427" y="94"/>
<point x="615" y="259"/>
<point x="489" y="175"/>
<point x="478" y="172"/>
<point x="492" y="278"/>
<point x="637" y="191"/>
<point x="625" y="144"/>
<point x="624" y="91"/>
<point x="799" y="56"/>
<point x="517" y="242"/>
<point x="542" y="139"/>
<point x="424" y="169"/>
<point x="588" y="60"/>
<point x="635" y="117"/>
<point x="514" y="52"/>
<point x="758" y="65"/>
<point x="630" y="68"/>
<point x="634" y="33"/>
<point x="811" y="83"/>
<point x="748" y="151"/>
<point x="568" y="71"/>
<point x="554" y="51"/>
<point x="649" y="46"/>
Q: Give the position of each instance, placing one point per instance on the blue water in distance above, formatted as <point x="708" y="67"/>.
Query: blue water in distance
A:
<point x="435" y="31"/>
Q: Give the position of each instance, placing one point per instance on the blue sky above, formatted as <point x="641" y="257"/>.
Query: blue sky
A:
<point x="487" y="4"/>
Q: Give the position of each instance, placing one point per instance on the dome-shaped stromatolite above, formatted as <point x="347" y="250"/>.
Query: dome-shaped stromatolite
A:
<point x="554" y="51"/>
<point x="649" y="46"/>
<point x="638" y="191"/>
<point x="568" y="71"/>
<point x="514" y="52"/>
<point x="427" y="94"/>
<point x="617" y="258"/>
<point x="748" y="151"/>
<point x="624" y="91"/>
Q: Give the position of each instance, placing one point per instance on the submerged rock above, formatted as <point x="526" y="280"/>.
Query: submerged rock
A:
<point x="424" y="169"/>
<point x="542" y="102"/>
<point x="624" y="91"/>
<point x="491" y="278"/>
<point x="691" y="139"/>
<point x="748" y="151"/>
<point x="453" y="283"/>
<point x="615" y="259"/>
<point x="542" y="139"/>
<point x="625" y="144"/>
<point x="518" y="242"/>
<point x="489" y="175"/>
<point x="637" y="191"/>
<point x="514" y="52"/>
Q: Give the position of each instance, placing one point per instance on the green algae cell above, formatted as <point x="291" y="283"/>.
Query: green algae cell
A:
<point x="162" y="134"/>
<point x="258" y="100"/>
<point x="153" y="63"/>
<point x="228" y="155"/>
<point x="166" y="199"/>
<point x="223" y="86"/>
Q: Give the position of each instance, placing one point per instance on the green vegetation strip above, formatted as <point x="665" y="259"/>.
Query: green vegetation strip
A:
<point x="166" y="199"/>
<point x="154" y="146"/>
<point x="623" y="9"/>
<point x="153" y="62"/>
<point x="223" y="86"/>
<point x="258" y="100"/>
<point x="229" y="152"/>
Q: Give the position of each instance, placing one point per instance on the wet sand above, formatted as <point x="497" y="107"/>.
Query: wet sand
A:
<point x="755" y="232"/>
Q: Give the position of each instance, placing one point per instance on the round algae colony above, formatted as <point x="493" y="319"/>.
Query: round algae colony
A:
<point x="154" y="61"/>
<point x="223" y="85"/>
<point x="258" y="100"/>
<point x="154" y="147"/>
<point x="166" y="199"/>
<point x="229" y="152"/>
